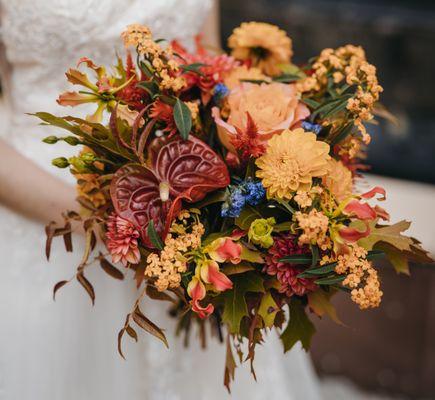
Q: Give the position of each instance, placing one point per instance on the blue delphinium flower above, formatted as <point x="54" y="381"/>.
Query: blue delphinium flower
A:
<point x="246" y="192"/>
<point x="308" y="126"/>
<point x="255" y="192"/>
<point x="220" y="91"/>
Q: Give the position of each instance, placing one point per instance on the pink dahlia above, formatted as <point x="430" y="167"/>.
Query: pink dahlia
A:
<point x="286" y="273"/>
<point x="122" y="240"/>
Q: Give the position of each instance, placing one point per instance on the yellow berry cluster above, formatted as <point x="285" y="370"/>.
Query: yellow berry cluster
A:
<point x="314" y="227"/>
<point x="361" y="277"/>
<point x="161" y="59"/>
<point x="184" y="237"/>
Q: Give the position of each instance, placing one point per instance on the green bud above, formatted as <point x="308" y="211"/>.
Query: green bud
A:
<point x="71" y="140"/>
<point x="260" y="232"/>
<point x="50" y="140"/>
<point x="78" y="164"/>
<point x="87" y="157"/>
<point x="60" y="162"/>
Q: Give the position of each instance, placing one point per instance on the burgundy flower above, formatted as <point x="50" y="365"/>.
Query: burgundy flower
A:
<point x="286" y="273"/>
<point x="122" y="240"/>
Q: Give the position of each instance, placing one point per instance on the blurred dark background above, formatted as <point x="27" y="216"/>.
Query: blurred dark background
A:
<point x="399" y="38"/>
<point x="390" y="350"/>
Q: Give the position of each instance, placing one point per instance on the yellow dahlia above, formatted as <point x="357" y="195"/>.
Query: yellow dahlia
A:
<point x="338" y="180"/>
<point x="291" y="161"/>
<point x="264" y="44"/>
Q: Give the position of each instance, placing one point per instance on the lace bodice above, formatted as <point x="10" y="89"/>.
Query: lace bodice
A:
<point x="43" y="38"/>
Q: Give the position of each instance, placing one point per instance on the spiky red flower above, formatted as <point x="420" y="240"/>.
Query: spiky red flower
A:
<point x="247" y="141"/>
<point x="132" y="94"/>
<point x="287" y="274"/>
<point x="164" y="113"/>
<point x="121" y="241"/>
<point x="212" y="73"/>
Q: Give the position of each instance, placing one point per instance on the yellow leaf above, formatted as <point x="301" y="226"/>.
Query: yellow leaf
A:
<point x="320" y="303"/>
<point x="268" y="309"/>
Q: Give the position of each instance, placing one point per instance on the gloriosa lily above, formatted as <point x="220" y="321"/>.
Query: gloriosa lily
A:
<point x="102" y="92"/>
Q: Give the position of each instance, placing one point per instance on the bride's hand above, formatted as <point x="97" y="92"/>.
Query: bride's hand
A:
<point x="30" y="191"/>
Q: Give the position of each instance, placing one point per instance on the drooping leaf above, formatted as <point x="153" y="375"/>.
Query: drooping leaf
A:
<point x="268" y="309"/>
<point x="57" y="286"/>
<point x="154" y="294"/>
<point x="230" y="366"/>
<point x="182" y="118"/>
<point x="131" y="332"/>
<point x="110" y="269"/>
<point x="319" y="302"/>
<point x="299" y="327"/>
<point x="234" y="300"/>
<point x="87" y="286"/>
<point x="149" y="326"/>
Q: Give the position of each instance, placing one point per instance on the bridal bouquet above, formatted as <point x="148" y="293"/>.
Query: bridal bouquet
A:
<point x="226" y="184"/>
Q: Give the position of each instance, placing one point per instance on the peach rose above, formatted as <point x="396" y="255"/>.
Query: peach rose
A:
<point x="273" y="107"/>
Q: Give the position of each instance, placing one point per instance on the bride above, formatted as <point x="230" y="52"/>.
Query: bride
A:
<point x="67" y="350"/>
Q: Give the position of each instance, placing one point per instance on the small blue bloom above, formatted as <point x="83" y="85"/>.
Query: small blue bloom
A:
<point x="308" y="126"/>
<point x="246" y="192"/>
<point x="255" y="193"/>
<point x="220" y="92"/>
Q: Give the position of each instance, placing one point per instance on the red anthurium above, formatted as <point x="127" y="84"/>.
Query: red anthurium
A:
<point x="210" y="274"/>
<point x="176" y="169"/>
<point x="196" y="290"/>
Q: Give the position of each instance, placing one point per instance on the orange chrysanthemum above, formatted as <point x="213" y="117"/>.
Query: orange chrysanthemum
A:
<point x="264" y="44"/>
<point x="339" y="180"/>
<point x="291" y="161"/>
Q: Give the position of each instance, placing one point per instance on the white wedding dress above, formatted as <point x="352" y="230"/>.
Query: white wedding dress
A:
<point x="66" y="350"/>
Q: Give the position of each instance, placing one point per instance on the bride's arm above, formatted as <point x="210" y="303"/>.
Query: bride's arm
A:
<point x="29" y="190"/>
<point x="211" y="28"/>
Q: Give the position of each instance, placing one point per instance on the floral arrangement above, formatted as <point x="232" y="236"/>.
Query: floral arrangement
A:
<point x="226" y="184"/>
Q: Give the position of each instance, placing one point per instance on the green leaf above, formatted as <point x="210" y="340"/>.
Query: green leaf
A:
<point x="154" y="236"/>
<point x="330" y="280"/>
<point x="324" y="269"/>
<point x="268" y="309"/>
<point x="150" y="86"/>
<point x="234" y="300"/>
<point x="297" y="259"/>
<point x="194" y="67"/>
<point x="311" y="103"/>
<point x="346" y="130"/>
<point x="283" y="226"/>
<point x="286" y="78"/>
<point x="375" y="254"/>
<point x="246" y="217"/>
<point x="299" y="327"/>
<point x="183" y="118"/>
